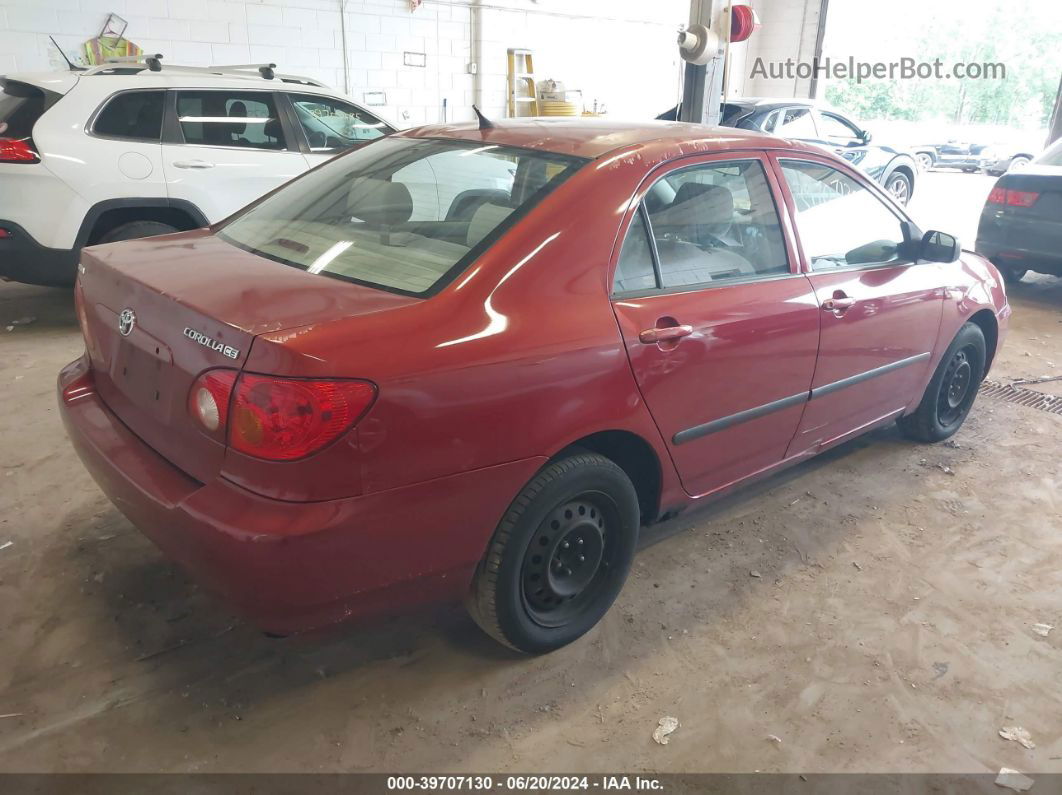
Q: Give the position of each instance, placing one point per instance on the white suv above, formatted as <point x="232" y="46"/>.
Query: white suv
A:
<point x="136" y="149"/>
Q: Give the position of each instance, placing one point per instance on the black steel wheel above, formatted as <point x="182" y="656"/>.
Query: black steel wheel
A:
<point x="952" y="389"/>
<point x="559" y="556"/>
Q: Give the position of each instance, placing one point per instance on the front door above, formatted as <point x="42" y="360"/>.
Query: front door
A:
<point x="720" y="327"/>
<point x="879" y="311"/>
<point x="227" y="148"/>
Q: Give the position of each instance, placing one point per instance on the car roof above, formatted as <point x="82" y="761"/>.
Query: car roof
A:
<point x="594" y="137"/>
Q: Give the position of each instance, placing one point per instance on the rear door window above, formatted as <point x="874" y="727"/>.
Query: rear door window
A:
<point x="332" y="125"/>
<point x="20" y="106"/>
<point x="245" y="119"/>
<point x="720" y="224"/>
<point x="134" y="115"/>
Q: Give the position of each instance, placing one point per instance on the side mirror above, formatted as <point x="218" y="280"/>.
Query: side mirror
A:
<point x="939" y="247"/>
<point x="866" y="136"/>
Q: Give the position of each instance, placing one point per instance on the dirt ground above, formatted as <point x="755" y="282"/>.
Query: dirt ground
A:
<point x="890" y="627"/>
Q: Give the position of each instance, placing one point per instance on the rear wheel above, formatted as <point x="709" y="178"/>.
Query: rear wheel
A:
<point x="925" y="161"/>
<point x="1012" y="274"/>
<point x="951" y="391"/>
<point x="560" y="555"/>
<point x="134" y="230"/>
<point x="1019" y="163"/>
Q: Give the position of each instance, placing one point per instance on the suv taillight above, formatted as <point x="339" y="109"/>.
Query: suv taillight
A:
<point x="277" y="419"/>
<point x="17" y="150"/>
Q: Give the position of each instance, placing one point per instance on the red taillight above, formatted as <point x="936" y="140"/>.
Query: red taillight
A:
<point x="17" y="150"/>
<point x="208" y="401"/>
<point x="1013" y="198"/>
<point x="4" y="233"/>
<point x="282" y="419"/>
<point x="1022" y="198"/>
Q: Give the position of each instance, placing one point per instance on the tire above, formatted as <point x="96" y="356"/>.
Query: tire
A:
<point x="134" y="230"/>
<point x="1011" y="274"/>
<point x="1019" y="163"/>
<point x="925" y="161"/>
<point x="968" y="170"/>
<point x="952" y="389"/>
<point x="899" y="187"/>
<point x="583" y="500"/>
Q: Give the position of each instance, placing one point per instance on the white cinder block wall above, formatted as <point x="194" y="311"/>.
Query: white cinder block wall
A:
<point x="789" y="30"/>
<point x="621" y="53"/>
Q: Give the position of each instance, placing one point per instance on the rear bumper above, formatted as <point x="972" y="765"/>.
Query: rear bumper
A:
<point x="293" y="567"/>
<point x="23" y="259"/>
<point x="1032" y="244"/>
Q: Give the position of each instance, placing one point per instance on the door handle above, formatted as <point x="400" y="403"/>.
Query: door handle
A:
<point x="192" y="164"/>
<point x="838" y="303"/>
<point x="654" y="335"/>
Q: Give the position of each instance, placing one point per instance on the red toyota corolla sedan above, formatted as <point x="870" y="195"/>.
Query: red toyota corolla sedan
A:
<point x="472" y="363"/>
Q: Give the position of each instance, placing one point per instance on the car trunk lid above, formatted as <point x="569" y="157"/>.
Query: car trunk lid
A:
<point x="159" y="312"/>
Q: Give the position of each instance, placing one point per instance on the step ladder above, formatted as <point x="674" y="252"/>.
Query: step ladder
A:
<point x="523" y="93"/>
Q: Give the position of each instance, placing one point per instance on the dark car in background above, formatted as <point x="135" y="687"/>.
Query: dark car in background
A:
<point x="1021" y="224"/>
<point x="804" y="120"/>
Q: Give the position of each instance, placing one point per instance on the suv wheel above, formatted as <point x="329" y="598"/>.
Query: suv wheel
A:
<point x="559" y="557"/>
<point x="952" y="389"/>
<point x="925" y="161"/>
<point x="899" y="185"/>
<point x="133" y="230"/>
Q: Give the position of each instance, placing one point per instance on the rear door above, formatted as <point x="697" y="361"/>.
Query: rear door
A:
<point x="879" y="311"/>
<point x="224" y="148"/>
<point x="720" y="327"/>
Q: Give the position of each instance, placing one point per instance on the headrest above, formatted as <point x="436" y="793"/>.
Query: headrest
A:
<point x="377" y="201"/>
<point x="697" y="203"/>
<point x="237" y="110"/>
<point x="272" y="129"/>
<point x="486" y="218"/>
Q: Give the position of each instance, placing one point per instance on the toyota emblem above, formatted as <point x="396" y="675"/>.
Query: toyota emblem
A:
<point x="126" y="322"/>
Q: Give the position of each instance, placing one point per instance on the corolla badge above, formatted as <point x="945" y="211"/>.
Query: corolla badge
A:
<point x="126" y="322"/>
<point x="214" y="345"/>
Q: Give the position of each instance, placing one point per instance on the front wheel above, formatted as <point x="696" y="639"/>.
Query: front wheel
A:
<point x="952" y="390"/>
<point x="925" y="161"/>
<point x="899" y="185"/>
<point x="1019" y="163"/>
<point x="560" y="555"/>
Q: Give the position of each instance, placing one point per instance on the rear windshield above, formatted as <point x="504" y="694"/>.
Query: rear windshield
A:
<point x="20" y="106"/>
<point x="402" y="214"/>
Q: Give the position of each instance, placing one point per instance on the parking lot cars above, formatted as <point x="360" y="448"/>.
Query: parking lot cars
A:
<point x="328" y="406"/>
<point x="123" y="151"/>
<point x="804" y="120"/>
<point x="1021" y="224"/>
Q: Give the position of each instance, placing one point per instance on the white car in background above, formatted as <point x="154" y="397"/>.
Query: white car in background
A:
<point x="129" y="150"/>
